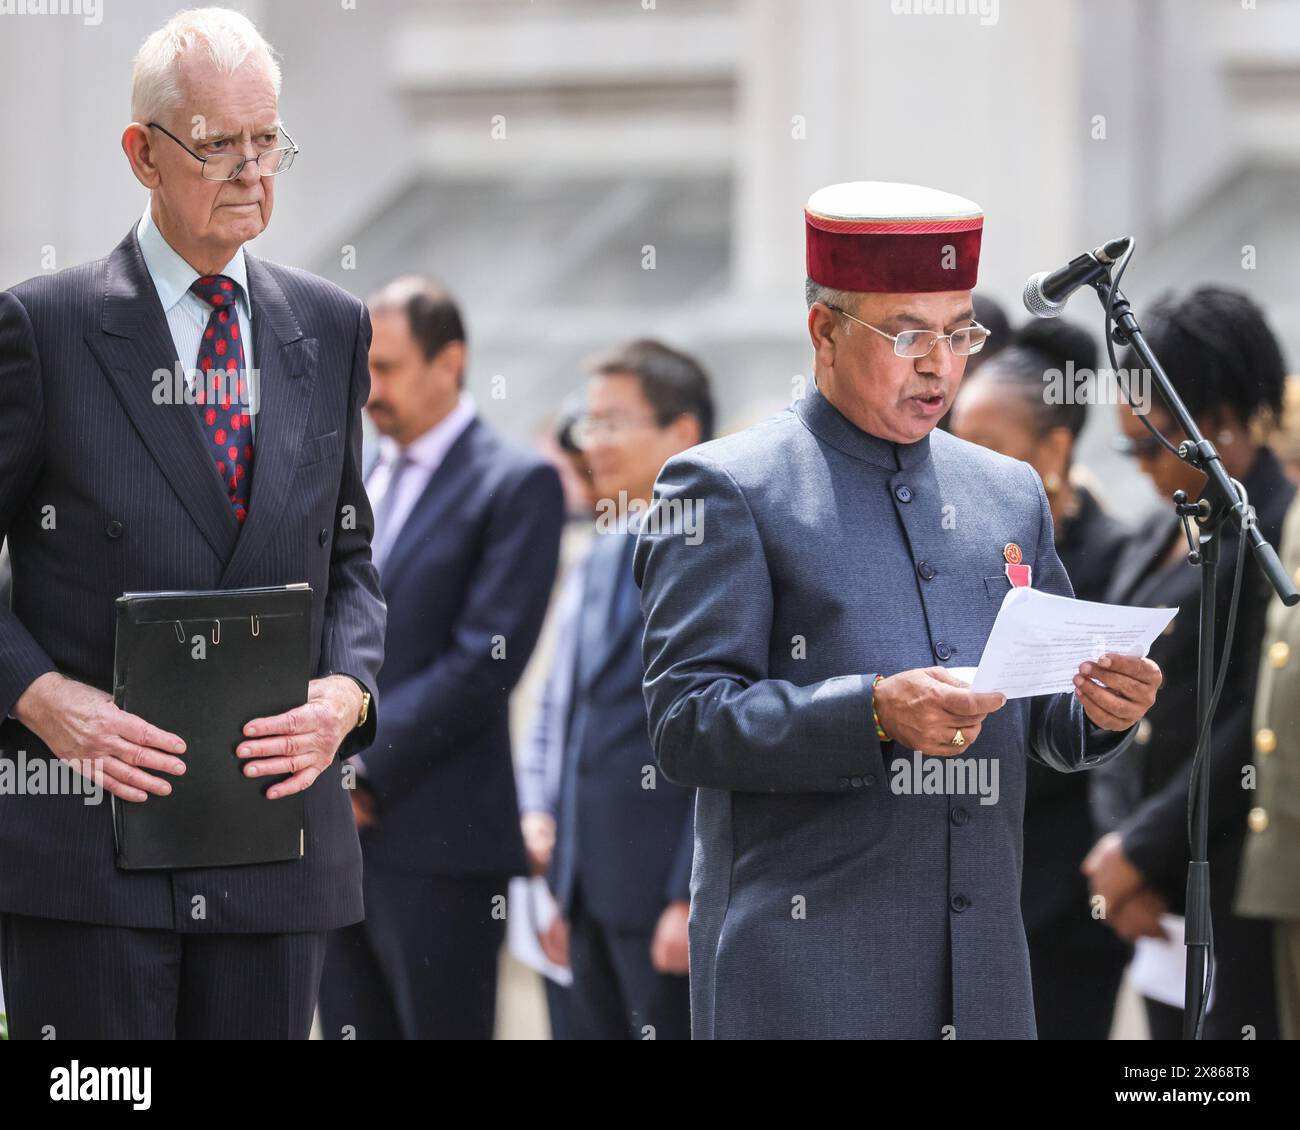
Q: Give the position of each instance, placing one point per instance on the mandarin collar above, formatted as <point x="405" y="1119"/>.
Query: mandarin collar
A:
<point x="828" y="424"/>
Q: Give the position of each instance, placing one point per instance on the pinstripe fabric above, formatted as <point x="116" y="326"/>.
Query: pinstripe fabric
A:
<point x="104" y="489"/>
<point x="84" y="982"/>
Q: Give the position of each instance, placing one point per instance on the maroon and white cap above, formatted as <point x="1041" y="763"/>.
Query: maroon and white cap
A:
<point x="884" y="238"/>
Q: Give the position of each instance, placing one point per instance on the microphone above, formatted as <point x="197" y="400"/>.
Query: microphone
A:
<point x="1046" y="293"/>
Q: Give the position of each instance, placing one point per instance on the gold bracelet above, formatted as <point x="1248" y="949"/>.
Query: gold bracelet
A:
<point x="880" y="730"/>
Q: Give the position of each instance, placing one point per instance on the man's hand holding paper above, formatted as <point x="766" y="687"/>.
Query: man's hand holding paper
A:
<point x="1045" y="644"/>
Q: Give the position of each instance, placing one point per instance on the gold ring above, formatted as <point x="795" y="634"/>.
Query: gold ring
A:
<point x="959" y="739"/>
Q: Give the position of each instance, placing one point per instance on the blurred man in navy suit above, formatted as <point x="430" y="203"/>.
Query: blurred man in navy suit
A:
<point x="621" y="864"/>
<point x="467" y="532"/>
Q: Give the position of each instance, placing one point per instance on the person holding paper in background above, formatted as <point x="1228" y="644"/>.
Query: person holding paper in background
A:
<point x="795" y="656"/>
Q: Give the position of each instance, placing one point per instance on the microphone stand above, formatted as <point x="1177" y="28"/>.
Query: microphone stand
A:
<point x="1219" y="503"/>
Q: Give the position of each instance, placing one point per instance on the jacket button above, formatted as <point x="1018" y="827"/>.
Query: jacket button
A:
<point x="960" y="816"/>
<point x="323" y="536"/>
<point x="1265" y="741"/>
<point x="959" y="903"/>
<point x="926" y="570"/>
<point x="1258" y="819"/>
<point x="856" y="782"/>
<point x="943" y="651"/>
<point x="869" y="780"/>
<point x="114" y="529"/>
<point x="844" y="782"/>
<point x="903" y="493"/>
<point x="1278" y="654"/>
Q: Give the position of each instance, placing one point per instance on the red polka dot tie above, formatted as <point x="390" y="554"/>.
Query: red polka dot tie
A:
<point x="221" y="399"/>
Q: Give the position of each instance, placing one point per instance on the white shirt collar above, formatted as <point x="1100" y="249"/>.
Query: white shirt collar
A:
<point x="171" y="274"/>
<point x="430" y="449"/>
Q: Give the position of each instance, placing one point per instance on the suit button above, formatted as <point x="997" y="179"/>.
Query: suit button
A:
<point x="903" y="493"/>
<point x="1265" y="741"/>
<point x="869" y="780"/>
<point x="844" y="782"/>
<point x="1258" y="819"/>
<point x="1143" y="734"/>
<point x="943" y="651"/>
<point x="926" y="570"/>
<point x="114" y="529"/>
<point x="1278" y="654"/>
<point x="323" y="536"/>
<point x="856" y="782"/>
<point x="960" y="816"/>
<point x="959" y="903"/>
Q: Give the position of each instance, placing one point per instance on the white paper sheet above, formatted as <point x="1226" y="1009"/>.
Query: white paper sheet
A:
<point x="1159" y="968"/>
<point x="529" y="909"/>
<point x="1039" y="640"/>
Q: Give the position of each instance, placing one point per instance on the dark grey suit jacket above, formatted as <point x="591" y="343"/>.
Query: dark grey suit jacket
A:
<point x="825" y="902"/>
<point x="103" y="490"/>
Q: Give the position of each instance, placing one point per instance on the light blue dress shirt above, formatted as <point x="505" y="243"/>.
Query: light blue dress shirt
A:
<point x="187" y="314"/>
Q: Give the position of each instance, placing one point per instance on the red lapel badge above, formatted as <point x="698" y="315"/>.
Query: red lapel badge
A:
<point x="1019" y="574"/>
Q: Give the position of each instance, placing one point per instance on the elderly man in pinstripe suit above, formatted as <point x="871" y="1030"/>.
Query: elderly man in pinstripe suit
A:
<point x="113" y="477"/>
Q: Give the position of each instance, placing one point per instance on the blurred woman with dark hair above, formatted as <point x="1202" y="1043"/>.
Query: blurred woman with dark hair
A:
<point x="1018" y="404"/>
<point x="1226" y="366"/>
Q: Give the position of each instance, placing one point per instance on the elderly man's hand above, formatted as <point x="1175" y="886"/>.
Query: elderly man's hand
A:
<point x="304" y="740"/>
<point x="924" y="708"/>
<point x="81" y="725"/>
<point x="1117" y="690"/>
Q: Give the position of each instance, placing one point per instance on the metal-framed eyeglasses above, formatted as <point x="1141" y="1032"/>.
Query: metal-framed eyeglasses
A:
<point x="918" y="343"/>
<point x="587" y="430"/>
<point x="227" y="166"/>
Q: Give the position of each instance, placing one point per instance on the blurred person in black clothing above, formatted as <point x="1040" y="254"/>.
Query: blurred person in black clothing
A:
<point x="1227" y="367"/>
<point x="1075" y="961"/>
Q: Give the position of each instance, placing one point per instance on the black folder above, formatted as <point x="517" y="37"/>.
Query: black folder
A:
<point x="202" y="664"/>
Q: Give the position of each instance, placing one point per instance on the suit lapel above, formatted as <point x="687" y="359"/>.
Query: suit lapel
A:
<point x="606" y="626"/>
<point x="621" y="633"/>
<point x="286" y="362"/>
<point x="449" y="481"/>
<point x="135" y="346"/>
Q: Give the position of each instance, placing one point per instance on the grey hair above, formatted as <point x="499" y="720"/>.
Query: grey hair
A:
<point x="828" y="296"/>
<point x="230" y="39"/>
